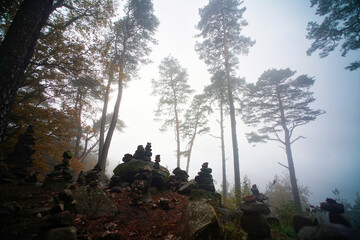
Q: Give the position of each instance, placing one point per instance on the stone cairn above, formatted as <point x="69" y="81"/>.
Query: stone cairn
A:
<point x="336" y="211"/>
<point x="92" y="176"/>
<point x="157" y="162"/>
<point x="143" y="153"/>
<point x="204" y="179"/>
<point x="139" y="188"/>
<point x="177" y="180"/>
<point x="253" y="220"/>
<point x="60" y="178"/>
<point x="20" y="160"/>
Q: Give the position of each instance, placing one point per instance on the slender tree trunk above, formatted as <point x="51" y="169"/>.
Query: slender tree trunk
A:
<point x="224" y="187"/>
<point x="104" y="112"/>
<point x="105" y="149"/>
<point x="191" y="144"/>
<point x="294" y="186"/>
<point x="232" y="119"/>
<point x="16" y="51"/>
<point x="177" y="130"/>
<point x="79" y="128"/>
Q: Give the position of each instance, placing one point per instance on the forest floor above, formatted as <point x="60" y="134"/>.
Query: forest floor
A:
<point x="18" y="221"/>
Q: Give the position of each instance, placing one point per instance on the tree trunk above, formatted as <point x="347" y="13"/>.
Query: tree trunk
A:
<point x="16" y="51"/>
<point x="191" y="144"/>
<point x="224" y="187"/>
<point x="232" y="120"/>
<point x="79" y="128"/>
<point x="104" y="112"/>
<point x="294" y="186"/>
<point x="177" y="130"/>
<point x="105" y="149"/>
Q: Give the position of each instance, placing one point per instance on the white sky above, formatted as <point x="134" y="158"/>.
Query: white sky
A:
<point x="330" y="156"/>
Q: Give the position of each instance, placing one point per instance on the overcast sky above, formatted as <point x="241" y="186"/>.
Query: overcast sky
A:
<point x="328" y="158"/>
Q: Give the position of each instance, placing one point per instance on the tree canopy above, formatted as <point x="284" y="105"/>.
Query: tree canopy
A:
<point x="340" y="25"/>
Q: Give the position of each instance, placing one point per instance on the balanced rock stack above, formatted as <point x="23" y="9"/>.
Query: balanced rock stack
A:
<point x="139" y="188"/>
<point x="254" y="222"/>
<point x="92" y="176"/>
<point x="336" y="211"/>
<point x="177" y="180"/>
<point x="204" y="179"/>
<point x="157" y="162"/>
<point x="20" y="160"/>
<point x="142" y="153"/>
<point x="61" y="177"/>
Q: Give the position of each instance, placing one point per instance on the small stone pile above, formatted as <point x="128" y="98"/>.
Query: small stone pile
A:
<point x="177" y="180"/>
<point x="127" y="157"/>
<point x="256" y="195"/>
<point x="92" y="176"/>
<point x="204" y="179"/>
<point x="254" y="222"/>
<point x="139" y="188"/>
<point x="60" y="178"/>
<point x="157" y="162"/>
<point x="60" y="220"/>
<point x="143" y="154"/>
<point x="336" y="211"/>
<point x="20" y="160"/>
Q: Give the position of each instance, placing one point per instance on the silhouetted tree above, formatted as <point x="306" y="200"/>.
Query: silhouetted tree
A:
<point x="341" y="24"/>
<point x="131" y="37"/>
<point x="195" y="123"/>
<point x="217" y="94"/>
<point x="174" y="91"/>
<point x="220" y="28"/>
<point x="279" y="103"/>
<point x="16" y="51"/>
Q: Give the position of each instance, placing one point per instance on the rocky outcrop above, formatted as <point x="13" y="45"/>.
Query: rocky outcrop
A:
<point x="93" y="202"/>
<point x="126" y="172"/>
<point x="254" y="222"/>
<point x="199" y="221"/>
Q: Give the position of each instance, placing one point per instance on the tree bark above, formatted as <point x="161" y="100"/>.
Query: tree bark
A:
<point x="191" y="144"/>
<point x="16" y="51"/>
<point x="294" y="186"/>
<point x="105" y="149"/>
<point x="177" y="130"/>
<point x="232" y="118"/>
<point x="224" y="187"/>
<point x="104" y="112"/>
<point x="79" y="127"/>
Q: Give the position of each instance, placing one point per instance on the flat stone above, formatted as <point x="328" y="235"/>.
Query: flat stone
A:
<point x="256" y="207"/>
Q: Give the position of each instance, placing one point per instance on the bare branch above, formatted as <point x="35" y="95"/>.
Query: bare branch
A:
<point x="283" y="165"/>
<point x="297" y="139"/>
<point x="215" y="136"/>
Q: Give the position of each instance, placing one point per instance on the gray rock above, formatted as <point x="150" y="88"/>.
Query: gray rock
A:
<point x="92" y="201"/>
<point x="256" y="207"/>
<point x="301" y="221"/>
<point x="328" y="232"/>
<point x="255" y="225"/>
<point x="127" y="171"/>
<point x="198" y="221"/>
<point x="187" y="187"/>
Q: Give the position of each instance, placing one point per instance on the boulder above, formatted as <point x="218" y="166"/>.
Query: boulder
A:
<point x="127" y="171"/>
<point x="255" y="225"/>
<point x="256" y="207"/>
<point x="92" y="201"/>
<point x="301" y="221"/>
<point x="187" y="187"/>
<point x="199" y="221"/>
<point x="328" y="231"/>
